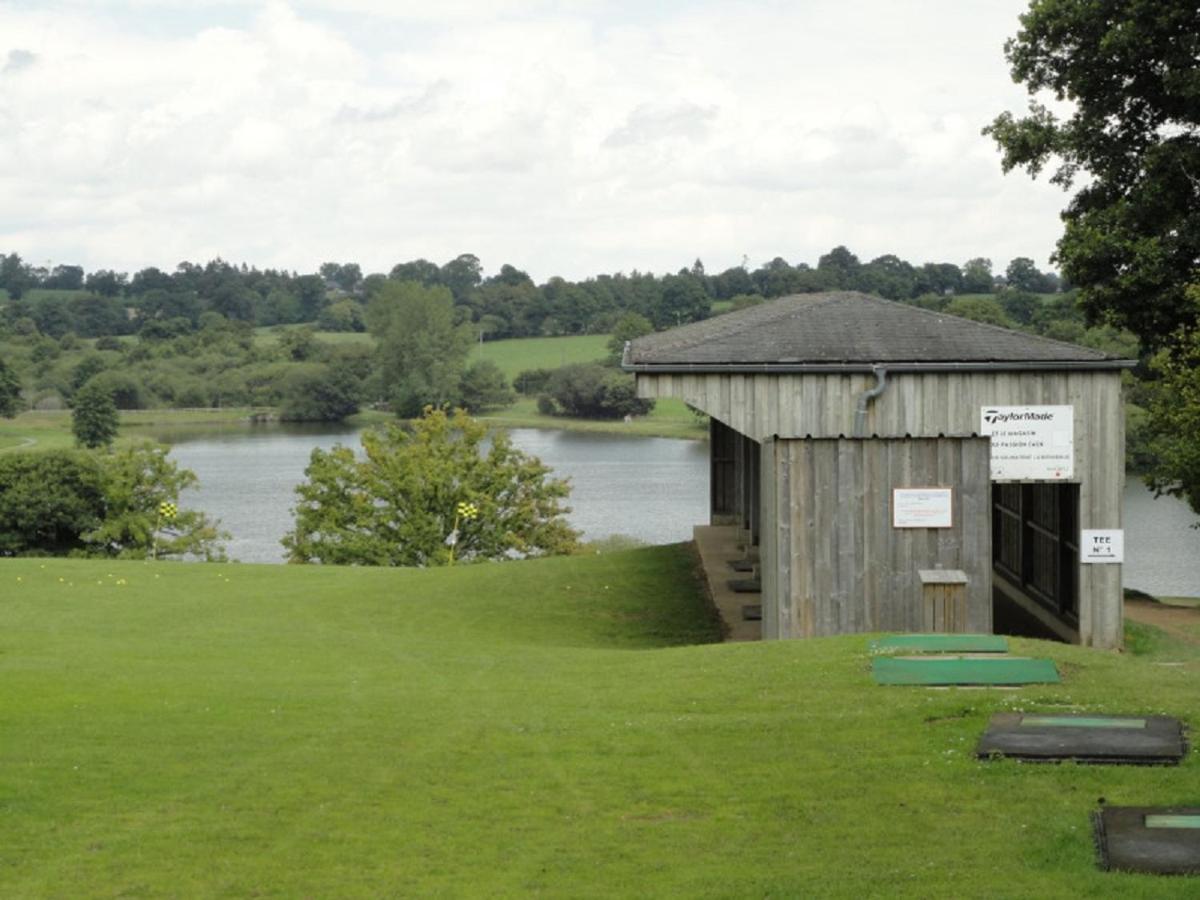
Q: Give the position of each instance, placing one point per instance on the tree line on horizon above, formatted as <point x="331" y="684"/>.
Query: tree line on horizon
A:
<point x="67" y="299"/>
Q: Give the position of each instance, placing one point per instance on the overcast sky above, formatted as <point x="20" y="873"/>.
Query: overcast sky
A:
<point x="565" y="138"/>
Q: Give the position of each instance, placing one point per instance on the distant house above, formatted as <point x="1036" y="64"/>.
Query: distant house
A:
<point x="857" y="442"/>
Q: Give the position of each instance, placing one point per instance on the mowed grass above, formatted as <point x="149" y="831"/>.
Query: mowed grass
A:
<point x="555" y="727"/>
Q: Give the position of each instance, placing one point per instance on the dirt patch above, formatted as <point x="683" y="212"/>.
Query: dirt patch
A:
<point x="1178" y="621"/>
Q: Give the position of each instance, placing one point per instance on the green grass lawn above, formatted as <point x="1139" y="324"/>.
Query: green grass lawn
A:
<point x="516" y="355"/>
<point x="558" y="727"/>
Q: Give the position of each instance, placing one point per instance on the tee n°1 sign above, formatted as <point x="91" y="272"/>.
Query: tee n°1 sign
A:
<point x="1030" y="443"/>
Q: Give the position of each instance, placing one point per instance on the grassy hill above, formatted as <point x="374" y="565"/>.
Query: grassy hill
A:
<point x="560" y="727"/>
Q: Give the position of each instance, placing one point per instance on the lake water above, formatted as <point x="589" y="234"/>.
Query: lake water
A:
<point x="651" y="489"/>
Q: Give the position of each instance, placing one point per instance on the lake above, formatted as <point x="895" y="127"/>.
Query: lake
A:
<point x="650" y="489"/>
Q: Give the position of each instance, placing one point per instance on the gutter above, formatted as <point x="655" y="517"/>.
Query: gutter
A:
<point x="1099" y="365"/>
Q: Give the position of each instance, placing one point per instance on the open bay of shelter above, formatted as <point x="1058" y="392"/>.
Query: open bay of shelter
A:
<point x="1002" y="447"/>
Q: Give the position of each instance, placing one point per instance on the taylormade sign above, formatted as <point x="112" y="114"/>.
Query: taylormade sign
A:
<point x="1030" y="443"/>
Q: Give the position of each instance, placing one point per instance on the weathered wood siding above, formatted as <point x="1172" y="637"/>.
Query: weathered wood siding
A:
<point x="928" y="405"/>
<point x="833" y="563"/>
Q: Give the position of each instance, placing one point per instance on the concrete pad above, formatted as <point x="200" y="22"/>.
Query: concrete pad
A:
<point x="716" y="545"/>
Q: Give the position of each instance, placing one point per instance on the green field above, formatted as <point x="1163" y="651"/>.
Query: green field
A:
<point x="559" y="728"/>
<point x="517" y="355"/>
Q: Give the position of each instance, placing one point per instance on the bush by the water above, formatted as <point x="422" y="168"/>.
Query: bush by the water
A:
<point x="593" y="391"/>
<point x="81" y="503"/>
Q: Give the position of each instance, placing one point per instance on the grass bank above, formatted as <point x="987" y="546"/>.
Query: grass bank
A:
<point x="51" y="429"/>
<point x="558" y="727"/>
<point x="669" y="418"/>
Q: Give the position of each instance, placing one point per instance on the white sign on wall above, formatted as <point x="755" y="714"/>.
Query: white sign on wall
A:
<point x="1030" y="443"/>
<point x="1102" y="546"/>
<point x="929" y="507"/>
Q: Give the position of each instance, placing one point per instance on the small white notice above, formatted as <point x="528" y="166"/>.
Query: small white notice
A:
<point x="927" y="507"/>
<point x="1102" y="546"/>
<point x="1030" y="443"/>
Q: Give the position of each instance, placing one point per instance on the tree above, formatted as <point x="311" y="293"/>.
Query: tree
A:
<point x="683" y="300"/>
<point x="48" y="500"/>
<point x="422" y="351"/>
<point x="980" y="309"/>
<point x="76" y="502"/>
<point x="135" y="482"/>
<point x="10" y="391"/>
<point x="1174" y="421"/>
<point x="484" y="387"/>
<point x="977" y="276"/>
<point x="319" y="393"/>
<point x="106" y="282"/>
<point x="396" y="505"/>
<point x="631" y="325"/>
<point x="94" y="420"/>
<point x="841" y="267"/>
<point x="1131" y="241"/>
<point x="1023" y="275"/>
<point x="15" y="276"/>
<point x="1128" y="69"/>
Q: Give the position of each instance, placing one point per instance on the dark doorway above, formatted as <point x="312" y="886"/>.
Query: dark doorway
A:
<point x="1035" y="544"/>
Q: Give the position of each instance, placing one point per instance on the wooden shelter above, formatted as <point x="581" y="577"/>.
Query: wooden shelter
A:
<point x="859" y="443"/>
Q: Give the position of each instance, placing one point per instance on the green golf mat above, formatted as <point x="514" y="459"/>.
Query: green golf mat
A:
<point x="951" y="670"/>
<point x="941" y="643"/>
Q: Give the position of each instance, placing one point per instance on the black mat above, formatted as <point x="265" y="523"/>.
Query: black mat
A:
<point x="1156" y="840"/>
<point x="1129" y="740"/>
<point x="752" y="612"/>
<point x="741" y="565"/>
<point x="745" y="585"/>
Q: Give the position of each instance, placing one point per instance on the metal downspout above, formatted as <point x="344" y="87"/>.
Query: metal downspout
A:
<point x="865" y="398"/>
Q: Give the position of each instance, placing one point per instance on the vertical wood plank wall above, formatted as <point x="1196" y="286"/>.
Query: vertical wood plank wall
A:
<point x="763" y="406"/>
<point x="833" y="563"/>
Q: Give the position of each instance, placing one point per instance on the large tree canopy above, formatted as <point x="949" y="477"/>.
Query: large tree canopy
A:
<point x="1126" y="72"/>
<point x="422" y="351"/>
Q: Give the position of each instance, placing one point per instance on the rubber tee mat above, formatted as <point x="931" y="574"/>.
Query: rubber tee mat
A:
<point x="1145" y="740"/>
<point x="1161" y="840"/>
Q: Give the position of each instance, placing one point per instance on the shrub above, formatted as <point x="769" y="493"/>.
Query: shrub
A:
<point x="532" y="381"/>
<point x="485" y="387"/>
<point x="401" y="502"/>
<point x="592" y="391"/>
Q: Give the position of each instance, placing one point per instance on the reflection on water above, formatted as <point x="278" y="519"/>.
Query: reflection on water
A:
<point x="653" y="489"/>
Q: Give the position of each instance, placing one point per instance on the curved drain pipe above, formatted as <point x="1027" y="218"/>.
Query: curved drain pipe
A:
<point x="865" y="398"/>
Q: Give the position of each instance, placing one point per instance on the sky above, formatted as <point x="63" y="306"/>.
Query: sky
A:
<point x="563" y="138"/>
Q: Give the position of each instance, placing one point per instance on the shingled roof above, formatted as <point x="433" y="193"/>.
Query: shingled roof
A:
<point x="846" y="330"/>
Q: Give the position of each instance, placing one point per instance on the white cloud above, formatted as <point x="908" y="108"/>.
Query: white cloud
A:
<point x="566" y="139"/>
